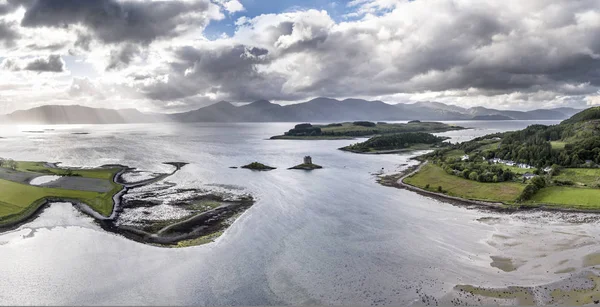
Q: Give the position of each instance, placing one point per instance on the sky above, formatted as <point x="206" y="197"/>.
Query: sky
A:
<point x="179" y="55"/>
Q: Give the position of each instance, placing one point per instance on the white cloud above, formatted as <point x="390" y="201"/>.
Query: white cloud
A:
<point x="512" y="54"/>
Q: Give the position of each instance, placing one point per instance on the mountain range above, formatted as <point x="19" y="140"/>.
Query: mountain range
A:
<point x="315" y="110"/>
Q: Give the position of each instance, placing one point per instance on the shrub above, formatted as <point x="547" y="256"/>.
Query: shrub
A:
<point x="303" y="126"/>
<point x="364" y="124"/>
<point x="440" y="189"/>
<point x="427" y="186"/>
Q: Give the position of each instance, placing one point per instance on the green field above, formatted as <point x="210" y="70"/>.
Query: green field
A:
<point x="578" y="198"/>
<point x="455" y="154"/>
<point x="581" y="176"/>
<point x="456" y="186"/>
<point x="558" y="145"/>
<point x="487" y="145"/>
<point x="19" y="200"/>
<point x="350" y="130"/>
<point x="39" y="167"/>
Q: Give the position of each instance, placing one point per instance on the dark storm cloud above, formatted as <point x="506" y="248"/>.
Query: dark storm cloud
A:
<point x="113" y="21"/>
<point x="52" y="63"/>
<point x="8" y="34"/>
<point x="122" y="56"/>
<point x="229" y="70"/>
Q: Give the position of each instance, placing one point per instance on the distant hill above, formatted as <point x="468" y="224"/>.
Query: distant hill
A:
<point x="316" y="110"/>
<point x="585" y="115"/>
<point x="492" y="117"/>
<point x="74" y="114"/>
<point x="327" y="110"/>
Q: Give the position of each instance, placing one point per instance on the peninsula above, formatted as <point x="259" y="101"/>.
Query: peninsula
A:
<point x="396" y="143"/>
<point x="350" y="130"/>
<point x="552" y="167"/>
<point x="26" y="188"/>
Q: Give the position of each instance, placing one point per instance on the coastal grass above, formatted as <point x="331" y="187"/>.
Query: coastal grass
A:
<point x="40" y="167"/>
<point x="383" y="128"/>
<point x="435" y="176"/>
<point x="568" y="197"/>
<point x="348" y="130"/>
<point x="582" y="176"/>
<point x="17" y="198"/>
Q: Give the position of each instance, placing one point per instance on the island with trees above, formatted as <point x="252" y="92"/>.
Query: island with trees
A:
<point x="350" y="130"/>
<point x="400" y="142"/>
<point x="256" y="166"/>
<point x="552" y="167"/>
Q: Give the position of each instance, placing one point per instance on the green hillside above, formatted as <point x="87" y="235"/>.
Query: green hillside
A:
<point x="555" y="166"/>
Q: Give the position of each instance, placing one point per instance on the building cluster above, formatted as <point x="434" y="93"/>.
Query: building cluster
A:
<point x="511" y="163"/>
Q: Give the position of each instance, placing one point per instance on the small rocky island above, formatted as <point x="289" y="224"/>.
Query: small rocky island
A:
<point x="307" y="165"/>
<point x="256" y="166"/>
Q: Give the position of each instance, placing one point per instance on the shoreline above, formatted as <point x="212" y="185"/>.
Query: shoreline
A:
<point x="203" y="224"/>
<point x="398" y="182"/>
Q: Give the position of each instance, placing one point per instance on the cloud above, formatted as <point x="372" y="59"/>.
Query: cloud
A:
<point x="232" y="6"/>
<point x="121" y="57"/>
<point x="8" y="34"/>
<point x="513" y="53"/>
<point x="113" y="21"/>
<point x="51" y="63"/>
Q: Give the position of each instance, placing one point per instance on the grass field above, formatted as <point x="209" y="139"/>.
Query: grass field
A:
<point x="18" y="200"/>
<point x="349" y="130"/>
<point x="581" y="176"/>
<point x="558" y="145"/>
<point x="456" y="186"/>
<point x="489" y="146"/>
<point x="455" y="153"/>
<point x="578" y="198"/>
<point x="39" y="167"/>
<point x="387" y="128"/>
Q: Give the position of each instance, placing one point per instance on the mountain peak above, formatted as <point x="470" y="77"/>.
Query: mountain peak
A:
<point x="323" y="100"/>
<point x="261" y="102"/>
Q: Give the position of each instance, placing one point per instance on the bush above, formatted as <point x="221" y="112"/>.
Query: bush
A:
<point x="427" y="186"/>
<point x="564" y="182"/>
<point x="440" y="189"/>
<point x="364" y="124"/>
<point x="303" y="126"/>
<point x="534" y="185"/>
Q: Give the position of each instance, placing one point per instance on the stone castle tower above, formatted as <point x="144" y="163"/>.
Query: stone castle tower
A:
<point x="307" y="160"/>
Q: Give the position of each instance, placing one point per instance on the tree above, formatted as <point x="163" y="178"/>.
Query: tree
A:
<point x="2" y="161"/>
<point x="555" y="170"/>
<point x="473" y="176"/>
<point x="10" y="163"/>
